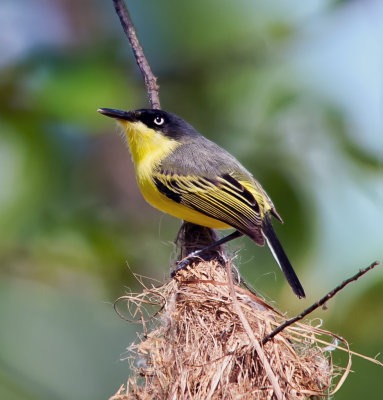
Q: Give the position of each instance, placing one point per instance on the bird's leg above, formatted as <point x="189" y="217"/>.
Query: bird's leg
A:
<point x="182" y="264"/>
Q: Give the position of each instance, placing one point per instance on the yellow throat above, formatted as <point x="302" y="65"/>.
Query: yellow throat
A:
<point x="148" y="148"/>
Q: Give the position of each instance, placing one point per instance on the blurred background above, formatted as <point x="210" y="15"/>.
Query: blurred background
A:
<point x="293" y="89"/>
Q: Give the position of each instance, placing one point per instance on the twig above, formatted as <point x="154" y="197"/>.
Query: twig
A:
<point x="188" y="230"/>
<point x="270" y="374"/>
<point x="319" y="303"/>
<point x="149" y="78"/>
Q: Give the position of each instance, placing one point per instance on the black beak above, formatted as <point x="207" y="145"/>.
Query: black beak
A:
<point x="118" y="114"/>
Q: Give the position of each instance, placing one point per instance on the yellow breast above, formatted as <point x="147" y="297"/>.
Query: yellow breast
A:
<point x="148" y="148"/>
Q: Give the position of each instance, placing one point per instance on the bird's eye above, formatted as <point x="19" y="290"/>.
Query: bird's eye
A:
<point x="159" y="120"/>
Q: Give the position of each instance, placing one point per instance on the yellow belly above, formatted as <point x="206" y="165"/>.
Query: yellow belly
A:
<point x="163" y="203"/>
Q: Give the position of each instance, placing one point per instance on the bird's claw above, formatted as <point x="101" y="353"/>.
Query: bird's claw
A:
<point x="183" y="263"/>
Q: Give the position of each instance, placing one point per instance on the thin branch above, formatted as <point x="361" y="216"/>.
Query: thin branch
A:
<point x="262" y="357"/>
<point x="130" y="31"/>
<point x="152" y="90"/>
<point x="319" y="303"/>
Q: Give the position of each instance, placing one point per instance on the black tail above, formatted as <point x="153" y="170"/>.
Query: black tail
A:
<point x="281" y="258"/>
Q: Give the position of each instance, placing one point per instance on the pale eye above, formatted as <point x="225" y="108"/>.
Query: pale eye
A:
<point x="159" y="120"/>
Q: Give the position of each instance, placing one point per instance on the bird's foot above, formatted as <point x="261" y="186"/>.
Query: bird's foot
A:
<point x="184" y="263"/>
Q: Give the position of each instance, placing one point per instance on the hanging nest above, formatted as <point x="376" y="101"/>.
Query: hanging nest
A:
<point x="196" y="346"/>
<point x="206" y="336"/>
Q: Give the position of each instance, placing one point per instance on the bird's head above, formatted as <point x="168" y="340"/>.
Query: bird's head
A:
<point x="144" y="121"/>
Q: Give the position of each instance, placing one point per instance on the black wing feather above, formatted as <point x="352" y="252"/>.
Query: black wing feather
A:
<point x="223" y="198"/>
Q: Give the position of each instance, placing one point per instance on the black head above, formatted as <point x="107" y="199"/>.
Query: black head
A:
<point x="161" y="121"/>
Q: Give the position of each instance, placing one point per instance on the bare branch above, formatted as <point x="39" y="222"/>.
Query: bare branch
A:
<point x="319" y="303"/>
<point x="130" y="31"/>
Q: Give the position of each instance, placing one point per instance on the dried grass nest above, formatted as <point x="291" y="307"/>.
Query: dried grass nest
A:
<point x="196" y="345"/>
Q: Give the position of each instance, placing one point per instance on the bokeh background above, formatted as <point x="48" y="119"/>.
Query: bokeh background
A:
<point x="293" y="89"/>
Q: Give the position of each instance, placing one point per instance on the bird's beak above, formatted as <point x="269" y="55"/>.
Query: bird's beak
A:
<point x="130" y="116"/>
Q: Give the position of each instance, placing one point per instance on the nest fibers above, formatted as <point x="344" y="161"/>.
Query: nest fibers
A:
<point x="199" y="348"/>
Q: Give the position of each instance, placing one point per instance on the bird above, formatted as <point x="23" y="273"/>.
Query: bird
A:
<point x="181" y="172"/>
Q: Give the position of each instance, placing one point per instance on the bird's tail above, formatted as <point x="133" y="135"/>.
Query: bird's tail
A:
<point x="281" y="257"/>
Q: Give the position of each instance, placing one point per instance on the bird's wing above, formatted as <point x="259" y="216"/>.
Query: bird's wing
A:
<point x="223" y="198"/>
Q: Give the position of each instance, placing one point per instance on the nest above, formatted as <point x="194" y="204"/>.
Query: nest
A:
<point x="197" y="345"/>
